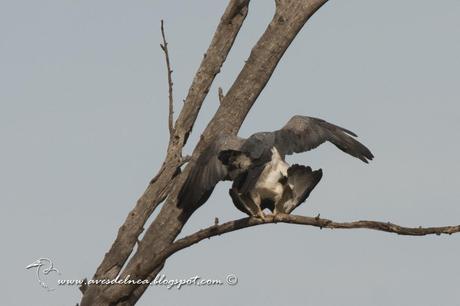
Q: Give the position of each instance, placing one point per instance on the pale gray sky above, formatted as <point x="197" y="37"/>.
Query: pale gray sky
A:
<point x="83" y="129"/>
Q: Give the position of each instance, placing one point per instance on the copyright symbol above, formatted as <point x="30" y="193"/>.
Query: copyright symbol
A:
<point x="231" y="279"/>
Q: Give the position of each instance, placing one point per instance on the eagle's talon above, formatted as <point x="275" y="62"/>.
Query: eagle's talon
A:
<point x="261" y="216"/>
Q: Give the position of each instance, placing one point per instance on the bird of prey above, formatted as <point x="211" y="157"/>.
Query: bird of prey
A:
<point x="256" y="165"/>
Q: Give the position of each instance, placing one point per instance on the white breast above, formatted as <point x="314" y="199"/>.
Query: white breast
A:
<point x="268" y="185"/>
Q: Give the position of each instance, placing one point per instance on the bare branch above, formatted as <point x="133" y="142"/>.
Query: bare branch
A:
<point x="231" y="226"/>
<point x="164" y="47"/>
<point x="217" y="230"/>
<point x="215" y="56"/>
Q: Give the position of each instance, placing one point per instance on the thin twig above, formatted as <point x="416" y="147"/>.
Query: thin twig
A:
<point x="164" y="47"/>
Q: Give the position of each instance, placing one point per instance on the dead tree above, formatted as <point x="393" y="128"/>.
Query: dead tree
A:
<point x="159" y="241"/>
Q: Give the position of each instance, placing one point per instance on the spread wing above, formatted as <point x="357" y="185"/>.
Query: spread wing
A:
<point x="300" y="134"/>
<point x="303" y="133"/>
<point x="206" y="173"/>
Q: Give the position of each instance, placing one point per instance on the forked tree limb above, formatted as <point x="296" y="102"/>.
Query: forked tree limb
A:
<point x="161" y="184"/>
<point x="289" y="18"/>
<point x="164" y="47"/>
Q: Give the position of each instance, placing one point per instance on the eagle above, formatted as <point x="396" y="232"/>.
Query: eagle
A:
<point x="262" y="179"/>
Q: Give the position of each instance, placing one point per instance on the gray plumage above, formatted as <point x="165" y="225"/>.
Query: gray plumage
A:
<point x="244" y="160"/>
<point x="296" y="188"/>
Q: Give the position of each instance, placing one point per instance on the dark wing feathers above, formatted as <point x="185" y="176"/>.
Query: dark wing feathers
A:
<point x="304" y="181"/>
<point x="244" y="203"/>
<point x="258" y="146"/>
<point x="303" y="133"/>
<point x="300" y="134"/>
<point x="206" y="173"/>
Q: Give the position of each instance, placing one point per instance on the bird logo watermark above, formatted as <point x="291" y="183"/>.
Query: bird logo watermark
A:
<point x="43" y="267"/>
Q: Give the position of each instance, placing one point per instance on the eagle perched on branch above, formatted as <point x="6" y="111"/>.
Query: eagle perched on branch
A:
<point x="261" y="177"/>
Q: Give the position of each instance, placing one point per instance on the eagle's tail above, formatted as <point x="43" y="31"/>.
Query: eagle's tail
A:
<point x="304" y="180"/>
